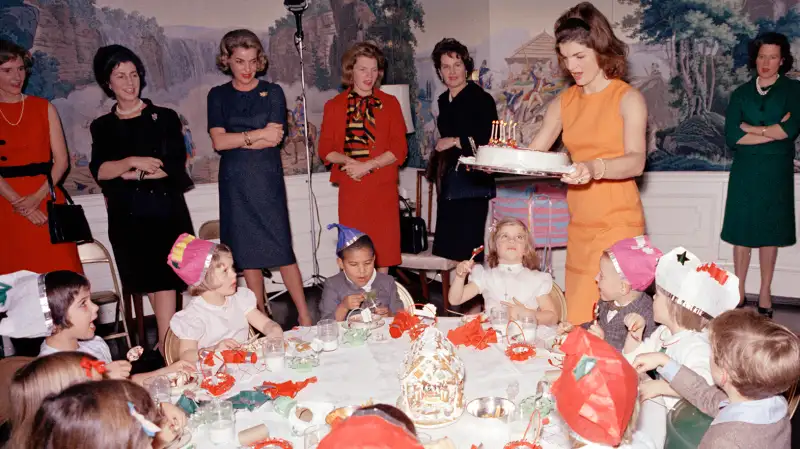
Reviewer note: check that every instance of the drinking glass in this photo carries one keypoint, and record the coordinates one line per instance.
(314, 434)
(528, 324)
(274, 353)
(159, 388)
(499, 318)
(328, 333)
(222, 425)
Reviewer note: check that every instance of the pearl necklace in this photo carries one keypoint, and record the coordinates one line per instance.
(133, 110)
(21, 113)
(763, 91)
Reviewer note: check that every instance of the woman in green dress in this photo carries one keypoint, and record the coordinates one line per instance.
(761, 124)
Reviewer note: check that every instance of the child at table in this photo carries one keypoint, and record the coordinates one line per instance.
(753, 361)
(221, 313)
(512, 278)
(50, 375)
(348, 290)
(689, 294)
(626, 270)
(595, 395)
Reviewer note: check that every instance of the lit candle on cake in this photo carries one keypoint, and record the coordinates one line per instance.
(493, 139)
(503, 132)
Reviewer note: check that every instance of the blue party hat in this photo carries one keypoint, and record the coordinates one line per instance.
(347, 236)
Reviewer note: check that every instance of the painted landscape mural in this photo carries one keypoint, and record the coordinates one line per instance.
(685, 56)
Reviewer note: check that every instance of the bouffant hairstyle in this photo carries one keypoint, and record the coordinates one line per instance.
(108, 58)
(367, 50)
(761, 357)
(586, 25)
(771, 38)
(455, 49)
(10, 51)
(62, 287)
(529, 258)
(240, 39)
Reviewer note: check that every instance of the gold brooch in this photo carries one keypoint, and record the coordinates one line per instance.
(155, 117)
(263, 94)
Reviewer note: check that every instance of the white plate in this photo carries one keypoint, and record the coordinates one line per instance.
(360, 325)
(552, 173)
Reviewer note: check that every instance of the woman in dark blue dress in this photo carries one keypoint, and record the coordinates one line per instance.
(246, 120)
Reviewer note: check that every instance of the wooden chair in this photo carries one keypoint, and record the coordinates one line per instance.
(405, 297)
(426, 261)
(209, 230)
(560, 299)
(95, 253)
(8, 368)
(172, 346)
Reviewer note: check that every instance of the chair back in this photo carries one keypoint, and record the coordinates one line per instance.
(8, 368)
(95, 253)
(405, 297)
(171, 348)
(209, 230)
(560, 300)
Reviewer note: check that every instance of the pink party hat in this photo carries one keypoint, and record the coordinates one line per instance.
(635, 259)
(190, 258)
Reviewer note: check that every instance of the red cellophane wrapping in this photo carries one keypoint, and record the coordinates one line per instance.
(402, 322)
(599, 405)
(472, 334)
(287, 388)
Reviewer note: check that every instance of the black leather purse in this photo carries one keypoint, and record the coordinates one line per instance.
(67, 222)
(413, 231)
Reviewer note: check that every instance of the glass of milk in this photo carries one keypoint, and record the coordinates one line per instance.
(222, 425)
(328, 333)
(274, 353)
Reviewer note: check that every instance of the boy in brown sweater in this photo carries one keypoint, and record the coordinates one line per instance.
(753, 361)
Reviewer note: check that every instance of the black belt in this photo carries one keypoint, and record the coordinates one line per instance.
(19, 171)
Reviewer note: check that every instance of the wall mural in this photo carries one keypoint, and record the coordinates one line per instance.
(686, 56)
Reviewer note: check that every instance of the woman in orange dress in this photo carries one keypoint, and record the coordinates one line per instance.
(603, 120)
(31, 144)
(364, 137)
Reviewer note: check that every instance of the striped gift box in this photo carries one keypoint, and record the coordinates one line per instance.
(542, 207)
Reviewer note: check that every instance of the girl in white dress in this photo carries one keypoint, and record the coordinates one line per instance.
(510, 279)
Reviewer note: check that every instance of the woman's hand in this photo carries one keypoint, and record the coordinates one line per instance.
(357, 170)
(25, 205)
(145, 164)
(119, 369)
(37, 217)
(446, 143)
(272, 134)
(582, 174)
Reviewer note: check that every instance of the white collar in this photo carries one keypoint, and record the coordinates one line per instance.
(367, 288)
(208, 305)
(762, 411)
(513, 268)
(668, 339)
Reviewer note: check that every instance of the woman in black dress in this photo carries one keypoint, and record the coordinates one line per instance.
(138, 159)
(465, 111)
(246, 120)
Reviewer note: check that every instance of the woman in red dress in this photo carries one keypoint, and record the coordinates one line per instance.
(31, 144)
(364, 137)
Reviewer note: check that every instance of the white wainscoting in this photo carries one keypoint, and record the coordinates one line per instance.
(681, 208)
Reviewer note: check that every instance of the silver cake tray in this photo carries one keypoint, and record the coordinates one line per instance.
(469, 162)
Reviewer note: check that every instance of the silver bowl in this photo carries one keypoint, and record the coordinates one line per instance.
(491, 408)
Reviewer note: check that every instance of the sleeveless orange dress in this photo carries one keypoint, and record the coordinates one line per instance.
(601, 212)
(23, 245)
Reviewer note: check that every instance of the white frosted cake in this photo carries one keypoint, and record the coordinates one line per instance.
(522, 159)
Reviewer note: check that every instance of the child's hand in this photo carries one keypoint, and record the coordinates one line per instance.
(228, 343)
(181, 366)
(597, 331)
(174, 420)
(564, 327)
(653, 389)
(353, 301)
(382, 310)
(635, 324)
(464, 268)
(120, 369)
(516, 309)
(273, 330)
(650, 361)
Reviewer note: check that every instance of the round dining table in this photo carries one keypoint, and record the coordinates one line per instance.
(368, 373)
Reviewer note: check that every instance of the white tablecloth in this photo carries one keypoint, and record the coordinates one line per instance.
(356, 375)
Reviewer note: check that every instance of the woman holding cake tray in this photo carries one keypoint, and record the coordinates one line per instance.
(603, 121)
(465, 111)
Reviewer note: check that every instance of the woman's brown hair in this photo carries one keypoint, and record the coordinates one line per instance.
(10, 51)
(529, 258)
(586, 25)
(35, 381)
(95, 415)
(240, 39)
(362, 49)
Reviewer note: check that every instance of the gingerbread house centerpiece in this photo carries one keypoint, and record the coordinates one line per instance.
(432, 381)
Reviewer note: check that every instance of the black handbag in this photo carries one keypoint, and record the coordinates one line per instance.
(67, 221)
(413, 231)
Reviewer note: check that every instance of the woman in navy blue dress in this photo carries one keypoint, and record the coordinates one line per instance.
(246, 120)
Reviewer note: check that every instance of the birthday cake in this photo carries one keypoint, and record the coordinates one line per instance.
(432, 381)
(503, 152)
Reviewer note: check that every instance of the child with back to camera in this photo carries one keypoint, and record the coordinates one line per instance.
(221, 313)
(511, 278)
(753, 360)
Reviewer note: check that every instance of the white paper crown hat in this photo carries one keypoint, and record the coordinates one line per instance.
(23, 298)
(705, 289)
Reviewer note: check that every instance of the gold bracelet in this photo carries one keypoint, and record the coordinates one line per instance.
(600, 176)
(247, 141)
(763, 131)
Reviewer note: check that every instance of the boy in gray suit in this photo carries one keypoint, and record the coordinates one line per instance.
(355, 284)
